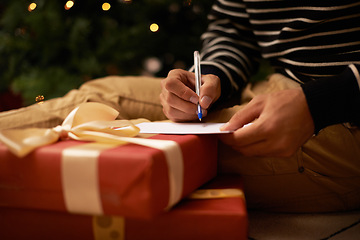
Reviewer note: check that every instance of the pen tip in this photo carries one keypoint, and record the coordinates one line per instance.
(199, 114)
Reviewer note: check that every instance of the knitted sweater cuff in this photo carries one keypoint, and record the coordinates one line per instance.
(333, 100)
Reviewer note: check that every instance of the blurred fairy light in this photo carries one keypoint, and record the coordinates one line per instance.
(106, 6)
(174, 8)
(152, 65)
(154, 27)
(69, 4)
(39, 99)
(197, 9)
(32, 7)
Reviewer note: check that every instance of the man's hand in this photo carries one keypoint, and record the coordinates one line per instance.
(178, 98)
(281, 124)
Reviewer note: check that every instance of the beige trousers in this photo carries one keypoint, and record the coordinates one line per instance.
(324, 175)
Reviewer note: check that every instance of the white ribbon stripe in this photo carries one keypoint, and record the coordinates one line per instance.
(81, 180)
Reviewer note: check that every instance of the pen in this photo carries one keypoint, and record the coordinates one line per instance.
(197, 81)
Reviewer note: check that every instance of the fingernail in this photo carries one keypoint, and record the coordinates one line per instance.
(224, 127)
(206, 101)
(194, 100)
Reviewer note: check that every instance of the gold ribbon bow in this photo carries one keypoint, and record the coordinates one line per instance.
(88, 122)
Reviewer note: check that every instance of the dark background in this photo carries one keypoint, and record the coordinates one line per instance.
(50, 50)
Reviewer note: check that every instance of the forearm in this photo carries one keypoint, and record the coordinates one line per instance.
(229, 47)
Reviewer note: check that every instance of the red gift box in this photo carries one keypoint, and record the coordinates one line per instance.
(219, 218)
(91, 178)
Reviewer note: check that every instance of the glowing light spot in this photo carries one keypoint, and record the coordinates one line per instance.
(153, 65)
(40, 99)
(154, 27)
(69, 4)
(106, 6)
(32, 7)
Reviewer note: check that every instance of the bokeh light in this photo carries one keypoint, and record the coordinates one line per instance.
(39, 99)
(106, 6)
(154, 27)
(69, 4)
(152, 65)
(32, 7)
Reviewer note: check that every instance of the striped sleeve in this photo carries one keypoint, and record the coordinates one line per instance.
(229, 47)
(315, 43)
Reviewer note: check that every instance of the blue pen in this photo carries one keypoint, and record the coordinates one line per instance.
(197, 81)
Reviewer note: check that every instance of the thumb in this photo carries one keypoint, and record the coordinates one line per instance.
(242, 117)
(210, 90)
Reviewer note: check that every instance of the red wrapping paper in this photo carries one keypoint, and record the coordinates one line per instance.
(133, 180)
(217, 219)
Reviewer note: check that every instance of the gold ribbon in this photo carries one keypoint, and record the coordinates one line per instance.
(89, 122)
(108, 227)
(93, 122)
(216, 193)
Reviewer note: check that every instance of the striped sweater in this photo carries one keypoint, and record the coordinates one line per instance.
(316, 43)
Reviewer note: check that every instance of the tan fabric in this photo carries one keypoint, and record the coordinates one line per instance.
(133, 97)
(324, 175)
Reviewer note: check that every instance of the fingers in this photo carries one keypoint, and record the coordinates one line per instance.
(281, 124)
(257, 140)
(244, 116)
(181, 83)
(210, 90)
(177, 96)
(179, 99)
(176, 109)
(244, 136)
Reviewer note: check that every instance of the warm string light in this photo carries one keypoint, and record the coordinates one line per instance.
(154, 27)
(152, 65)
(106, 6)
(39, 99)
(69, 4)
(32, 7)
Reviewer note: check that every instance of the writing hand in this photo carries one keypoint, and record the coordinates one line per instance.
(178, 98)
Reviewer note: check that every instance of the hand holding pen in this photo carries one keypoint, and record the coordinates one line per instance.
(178, 95)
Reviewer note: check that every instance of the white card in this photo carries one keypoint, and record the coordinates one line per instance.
(181, 128)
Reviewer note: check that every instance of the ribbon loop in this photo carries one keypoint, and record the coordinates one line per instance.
(61, 131)
(93, 122)
(89, 122)
(23, 141)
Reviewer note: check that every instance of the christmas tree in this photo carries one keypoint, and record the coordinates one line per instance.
(49, 47)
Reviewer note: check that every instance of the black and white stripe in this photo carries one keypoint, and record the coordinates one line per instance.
(306, 40)
(303, 39)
